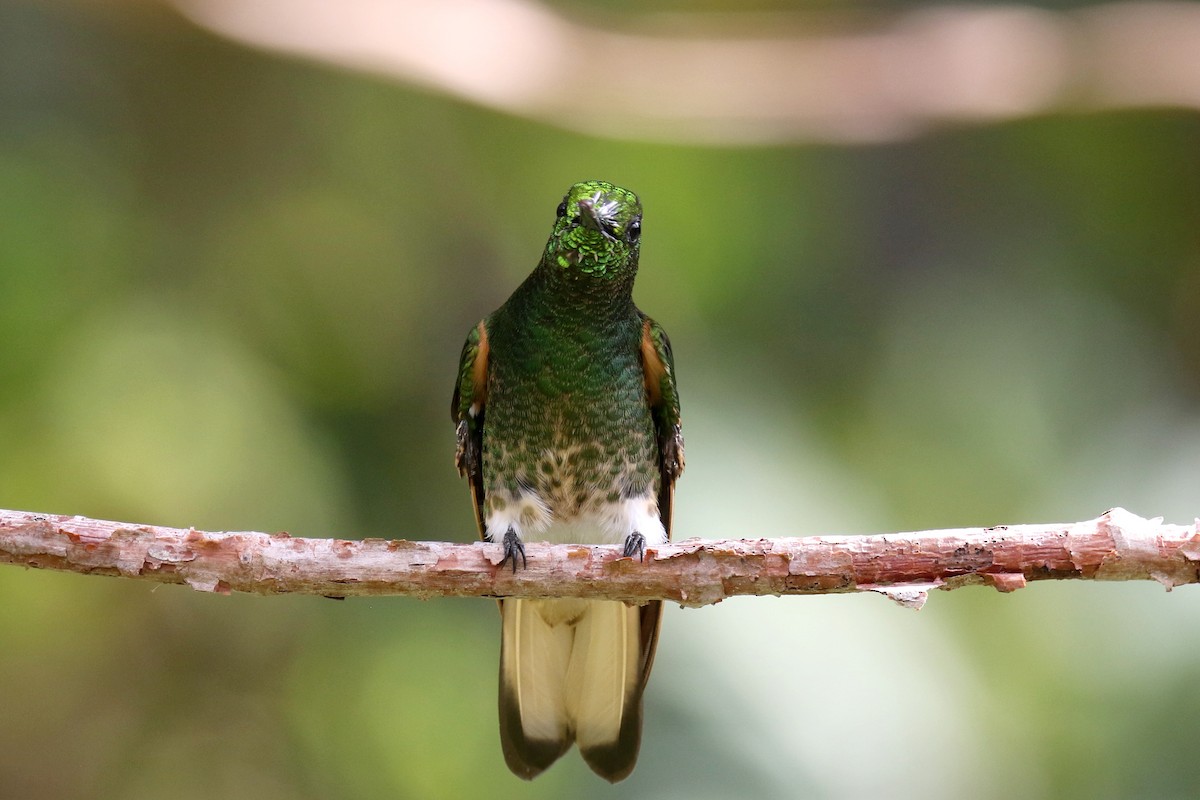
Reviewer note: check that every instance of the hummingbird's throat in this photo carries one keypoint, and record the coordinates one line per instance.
(586, 250)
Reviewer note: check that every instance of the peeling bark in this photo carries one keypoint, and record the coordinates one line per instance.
(1118, 546)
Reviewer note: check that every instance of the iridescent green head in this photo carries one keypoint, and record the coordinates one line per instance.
(597, 233)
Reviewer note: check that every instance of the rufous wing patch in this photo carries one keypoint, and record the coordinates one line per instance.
(479, 370)
(652, 366)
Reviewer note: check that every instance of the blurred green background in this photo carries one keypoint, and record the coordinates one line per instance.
(233, 289)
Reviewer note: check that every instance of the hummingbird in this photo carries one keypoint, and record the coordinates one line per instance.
(568, 431)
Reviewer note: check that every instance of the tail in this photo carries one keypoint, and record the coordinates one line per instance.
(574, 670)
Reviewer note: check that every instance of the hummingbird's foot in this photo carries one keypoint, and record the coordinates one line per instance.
(635, 545)
(513, 547)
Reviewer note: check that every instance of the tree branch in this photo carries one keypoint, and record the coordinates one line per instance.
(1116, 546)
(827, 75)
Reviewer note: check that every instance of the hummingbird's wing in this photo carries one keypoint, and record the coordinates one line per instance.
(658, 364)
(658, 367)
(467, 411)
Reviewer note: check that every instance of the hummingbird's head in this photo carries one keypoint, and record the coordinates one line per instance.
(597, 233)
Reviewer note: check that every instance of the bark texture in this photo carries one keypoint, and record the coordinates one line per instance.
(1118, 546)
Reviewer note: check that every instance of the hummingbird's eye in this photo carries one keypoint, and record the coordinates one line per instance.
(562, 208)
(634, 230)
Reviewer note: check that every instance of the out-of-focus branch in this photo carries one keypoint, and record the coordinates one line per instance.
(746, 77)
(905, 566)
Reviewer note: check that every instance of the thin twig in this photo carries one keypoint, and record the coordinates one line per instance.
(1118, 545)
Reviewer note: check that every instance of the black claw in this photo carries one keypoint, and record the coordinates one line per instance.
(635, 545)
(513, 547)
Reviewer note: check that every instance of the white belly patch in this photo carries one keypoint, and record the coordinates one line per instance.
(533, 521)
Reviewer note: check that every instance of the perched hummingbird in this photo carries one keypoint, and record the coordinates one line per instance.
(568, 430)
